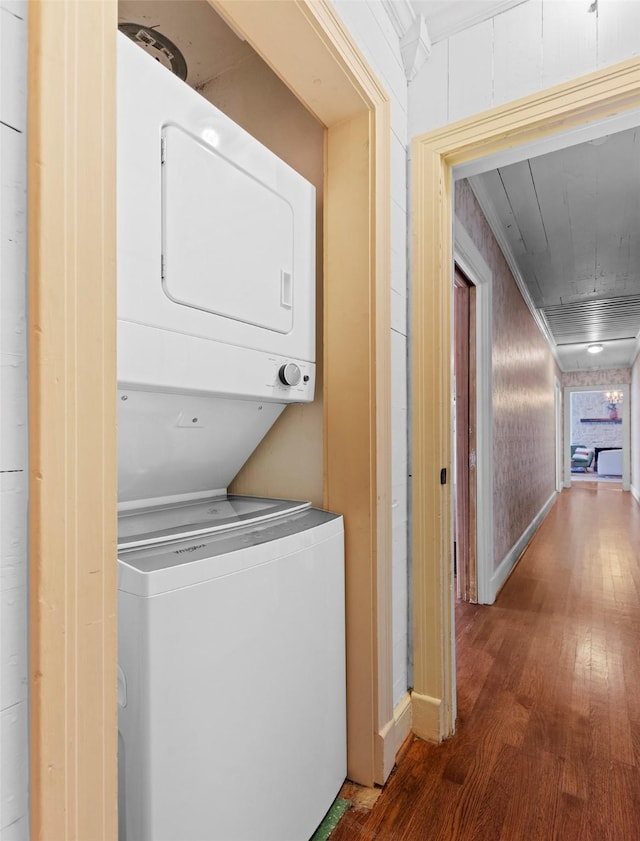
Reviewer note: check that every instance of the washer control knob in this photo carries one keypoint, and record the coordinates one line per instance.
(290, 374)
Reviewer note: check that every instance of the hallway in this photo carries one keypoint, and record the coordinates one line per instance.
(548, 737)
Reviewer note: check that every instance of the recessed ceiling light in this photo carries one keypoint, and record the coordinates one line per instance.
(595, 348)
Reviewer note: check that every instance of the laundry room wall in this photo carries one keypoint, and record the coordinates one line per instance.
(529, 47)
(13, 424)
(289, 460)
(373, 32)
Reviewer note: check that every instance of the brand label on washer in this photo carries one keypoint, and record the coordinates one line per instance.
(189, 549)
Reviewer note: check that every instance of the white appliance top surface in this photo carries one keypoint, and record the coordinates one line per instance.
(158, 568)
(160, 524)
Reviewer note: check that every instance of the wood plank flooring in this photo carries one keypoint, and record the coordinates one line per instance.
(548, 736)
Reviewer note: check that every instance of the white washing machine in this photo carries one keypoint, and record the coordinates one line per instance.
(231, 609)
(232, 672)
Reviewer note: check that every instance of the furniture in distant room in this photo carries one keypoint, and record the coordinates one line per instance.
(581, 457)
(599, 450)
(610, 463)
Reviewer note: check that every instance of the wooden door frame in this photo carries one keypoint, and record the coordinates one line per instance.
(587, 99)
(465, 561)
(72, 371)
(559, 427)
(473, 264)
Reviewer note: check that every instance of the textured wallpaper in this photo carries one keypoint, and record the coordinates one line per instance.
(607, 378)
(523, 393)
(634, 407)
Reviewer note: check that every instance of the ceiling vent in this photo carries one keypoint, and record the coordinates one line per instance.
(594, 321)
(157, 45)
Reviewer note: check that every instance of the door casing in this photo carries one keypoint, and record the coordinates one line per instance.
(598, 96)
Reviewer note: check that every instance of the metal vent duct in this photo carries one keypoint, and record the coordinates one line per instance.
(593, 321)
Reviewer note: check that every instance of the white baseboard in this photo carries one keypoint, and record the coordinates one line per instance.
(635, 493)
(502, 572)
(391, 737)
(402, 715)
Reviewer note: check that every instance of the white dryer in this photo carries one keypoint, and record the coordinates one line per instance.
(216, 246)
(231, 609)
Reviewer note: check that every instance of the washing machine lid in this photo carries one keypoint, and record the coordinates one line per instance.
(153, 570)
(160, 524)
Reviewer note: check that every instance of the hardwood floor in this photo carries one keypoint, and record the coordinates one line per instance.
(548, 736)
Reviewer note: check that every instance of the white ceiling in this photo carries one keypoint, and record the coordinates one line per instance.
(570, 221)
(446, 17)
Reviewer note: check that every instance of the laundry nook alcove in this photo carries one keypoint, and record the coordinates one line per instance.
(231, 617)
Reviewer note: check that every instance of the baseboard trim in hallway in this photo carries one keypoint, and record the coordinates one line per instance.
(515, 553)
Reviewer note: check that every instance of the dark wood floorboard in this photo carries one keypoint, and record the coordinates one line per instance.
(547, 746)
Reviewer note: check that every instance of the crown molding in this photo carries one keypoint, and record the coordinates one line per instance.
(401, 15)
(411, 29)
(415, 47)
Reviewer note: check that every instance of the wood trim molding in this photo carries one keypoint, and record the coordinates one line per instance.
(475, 267)
(585, 100)
(402, 716)
(72, 426)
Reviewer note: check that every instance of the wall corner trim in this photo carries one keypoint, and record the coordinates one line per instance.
(72, 419)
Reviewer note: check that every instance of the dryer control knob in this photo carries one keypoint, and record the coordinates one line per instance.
(290, 374)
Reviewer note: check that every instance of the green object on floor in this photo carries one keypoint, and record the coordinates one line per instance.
(331, 819)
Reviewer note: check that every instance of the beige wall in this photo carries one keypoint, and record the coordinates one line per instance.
(289, 461)
(523, 393)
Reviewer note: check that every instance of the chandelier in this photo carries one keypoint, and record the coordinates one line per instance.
(613, 400)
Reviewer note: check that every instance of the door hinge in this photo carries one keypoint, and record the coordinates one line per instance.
(472, 459)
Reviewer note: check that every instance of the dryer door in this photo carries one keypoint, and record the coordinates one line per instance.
(227, 237)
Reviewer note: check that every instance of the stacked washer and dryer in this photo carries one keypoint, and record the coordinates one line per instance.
(231, 609)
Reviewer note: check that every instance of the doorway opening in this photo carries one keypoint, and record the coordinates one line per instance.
(597, 435)
(583, 109)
